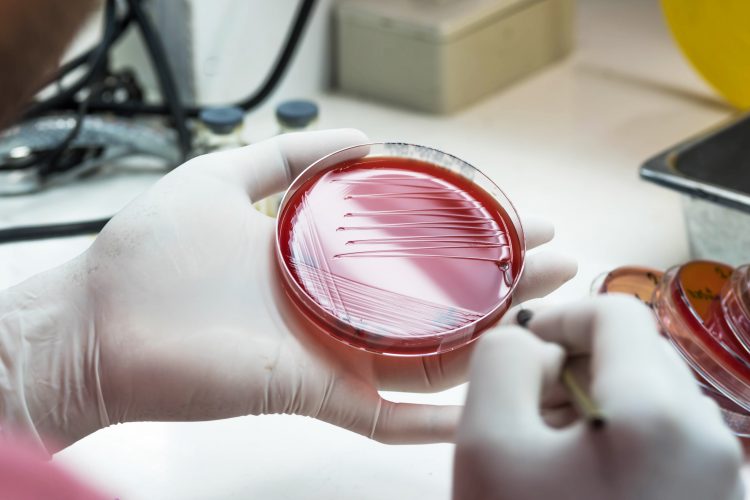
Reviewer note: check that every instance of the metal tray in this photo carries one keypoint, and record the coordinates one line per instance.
(712, 170)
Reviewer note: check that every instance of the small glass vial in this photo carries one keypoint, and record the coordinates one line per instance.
(297, 115)
(292, 116)
(220, 128)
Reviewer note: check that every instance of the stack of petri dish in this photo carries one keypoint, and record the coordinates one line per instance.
(703, 308)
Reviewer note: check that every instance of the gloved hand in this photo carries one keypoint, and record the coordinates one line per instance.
(176, 313)
(663, 439)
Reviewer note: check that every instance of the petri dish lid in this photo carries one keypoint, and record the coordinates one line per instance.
(399, 249)
(684, 302)
(735, 305)
(637, 281)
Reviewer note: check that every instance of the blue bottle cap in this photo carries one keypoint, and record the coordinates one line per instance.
(222, 119)
(297, 113)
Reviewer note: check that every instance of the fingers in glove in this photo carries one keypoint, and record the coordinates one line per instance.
(409, 423)
(544, 272)
(268, 167)
(630, 367)
(560, 416)
(538, 231)
(361, 409)
(423, 373)
(509, 375)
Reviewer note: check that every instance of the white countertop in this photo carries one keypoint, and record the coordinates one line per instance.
(565, 144)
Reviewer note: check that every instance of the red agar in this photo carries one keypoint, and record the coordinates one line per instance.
(399, 255)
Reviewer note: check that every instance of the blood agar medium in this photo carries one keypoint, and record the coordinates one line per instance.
(399, 249)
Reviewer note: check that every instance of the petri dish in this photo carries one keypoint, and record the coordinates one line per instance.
(736, 417)
(684, 303)
(639, 282)
(731, 312)
(398, 249)
(699, 325)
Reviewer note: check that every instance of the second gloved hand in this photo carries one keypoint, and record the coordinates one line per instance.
(663, 439)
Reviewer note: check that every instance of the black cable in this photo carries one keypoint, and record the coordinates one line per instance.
(97, 64)
(282, 62)
(97, 59)
(65, 100)
(50, 161)
(163, 70)
(79, 60)
(26, 233)
(278, 70)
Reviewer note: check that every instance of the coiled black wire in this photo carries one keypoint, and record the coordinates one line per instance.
(114, 29)
(65, 100)
(279, 68)
(164, 75)
(97, 64)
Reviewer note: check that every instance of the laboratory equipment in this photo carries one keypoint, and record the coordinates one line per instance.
(99, 142)
(219, 128)
(582, 402)
(703, 308)
(442, 56)
(23, 170)
(712, 170)
(398, 249)
(296, 115)
(292, 116)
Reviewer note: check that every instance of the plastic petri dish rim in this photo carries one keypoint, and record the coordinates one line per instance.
(399, 249)
(637, 281)
(722, 366)
(734, 306)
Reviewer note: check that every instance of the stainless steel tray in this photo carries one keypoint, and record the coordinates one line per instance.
(712, 170)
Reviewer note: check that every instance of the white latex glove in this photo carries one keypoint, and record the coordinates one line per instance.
(663, 439)
(176, 313)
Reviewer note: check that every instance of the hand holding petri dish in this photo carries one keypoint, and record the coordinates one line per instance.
(399, 249)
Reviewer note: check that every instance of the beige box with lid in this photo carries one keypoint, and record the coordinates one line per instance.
(442, 55)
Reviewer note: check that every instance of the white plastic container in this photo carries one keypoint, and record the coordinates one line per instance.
(440, 56)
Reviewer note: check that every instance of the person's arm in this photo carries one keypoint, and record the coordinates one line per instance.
(663, 439)
(49, 364)
(33, 37)
(23, 476)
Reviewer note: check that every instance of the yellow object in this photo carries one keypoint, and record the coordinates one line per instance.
(715, 36)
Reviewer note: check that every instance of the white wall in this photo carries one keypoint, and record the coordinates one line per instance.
(235, 42)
